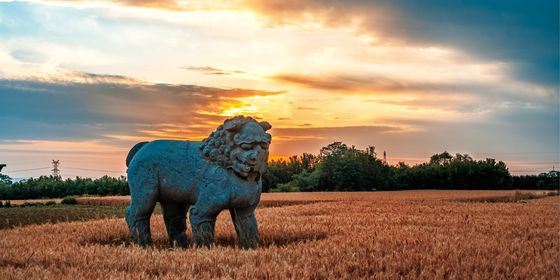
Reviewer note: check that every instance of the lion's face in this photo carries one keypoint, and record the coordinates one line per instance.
(250, 151)
(240, 144)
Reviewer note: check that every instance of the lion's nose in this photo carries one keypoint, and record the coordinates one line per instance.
(253, 157)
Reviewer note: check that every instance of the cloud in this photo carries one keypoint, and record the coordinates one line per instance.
(162, 4)
(456, 95)
(212, 71)
(97, 106)
(306, 108)
(169, 5)
(521, 33)
(525, 34)
(359, 84)
(350, 83)
(28, 56)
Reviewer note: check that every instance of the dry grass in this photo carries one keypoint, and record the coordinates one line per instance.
(423, 234)
(518, 197)
(24, 201)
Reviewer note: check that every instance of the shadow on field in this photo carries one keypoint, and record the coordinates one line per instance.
(517, 197)
(268, 241)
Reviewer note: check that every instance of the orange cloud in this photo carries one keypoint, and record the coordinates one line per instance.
(212, 70)
(161, 4)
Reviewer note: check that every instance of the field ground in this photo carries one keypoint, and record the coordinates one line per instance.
(411, 234)
(17, 217)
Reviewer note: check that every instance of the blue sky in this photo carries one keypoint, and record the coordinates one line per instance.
(82, 81)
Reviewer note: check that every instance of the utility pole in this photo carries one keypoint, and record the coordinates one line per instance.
(55, 170)
(2, 165)
(384, 157)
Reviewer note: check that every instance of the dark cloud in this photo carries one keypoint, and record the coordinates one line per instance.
(520, 32)
(212, 71)
(103, 78)
(110, 105)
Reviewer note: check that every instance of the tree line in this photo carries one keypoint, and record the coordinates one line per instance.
(337, 167)
(56, 187)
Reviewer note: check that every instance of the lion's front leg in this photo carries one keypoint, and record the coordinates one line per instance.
(202, 223)
(246, 227)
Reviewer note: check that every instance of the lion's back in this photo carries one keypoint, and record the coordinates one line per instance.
(167, 155)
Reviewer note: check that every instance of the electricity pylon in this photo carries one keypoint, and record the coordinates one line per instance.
(55, 170)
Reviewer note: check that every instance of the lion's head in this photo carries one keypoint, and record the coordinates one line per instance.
(240, 144)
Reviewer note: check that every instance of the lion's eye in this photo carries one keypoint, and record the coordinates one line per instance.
(246, 146)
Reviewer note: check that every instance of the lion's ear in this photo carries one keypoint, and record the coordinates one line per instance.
(265, 125)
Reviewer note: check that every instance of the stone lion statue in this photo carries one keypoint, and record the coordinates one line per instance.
(223, 171)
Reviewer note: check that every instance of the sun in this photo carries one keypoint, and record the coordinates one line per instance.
(243, 110)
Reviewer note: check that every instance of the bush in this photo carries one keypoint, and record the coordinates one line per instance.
(287, 187)
(69, 200)
(553, 193)
(31, 204)
(7, 204)
(50, 203)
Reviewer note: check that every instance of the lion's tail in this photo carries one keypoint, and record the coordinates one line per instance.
(133, 152)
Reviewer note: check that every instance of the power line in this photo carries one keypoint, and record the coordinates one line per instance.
(30, 169)
(473, 152)
(99, 170)
(76, 168)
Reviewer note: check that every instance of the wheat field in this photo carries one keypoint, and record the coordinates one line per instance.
(382, 235)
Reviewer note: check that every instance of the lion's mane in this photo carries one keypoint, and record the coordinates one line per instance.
(219, 144)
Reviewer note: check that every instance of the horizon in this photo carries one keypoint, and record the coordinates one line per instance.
(83, 81)
(115, 173)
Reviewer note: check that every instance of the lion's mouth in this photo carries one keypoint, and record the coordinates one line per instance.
(244, 168)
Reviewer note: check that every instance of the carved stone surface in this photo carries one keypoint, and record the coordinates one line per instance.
(222, 172)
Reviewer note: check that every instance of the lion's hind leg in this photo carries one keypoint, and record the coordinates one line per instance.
(175, 217)
(142, 204)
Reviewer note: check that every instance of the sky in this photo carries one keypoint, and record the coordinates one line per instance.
(83, 81)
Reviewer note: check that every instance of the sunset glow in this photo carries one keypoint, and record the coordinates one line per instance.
(83, 81)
